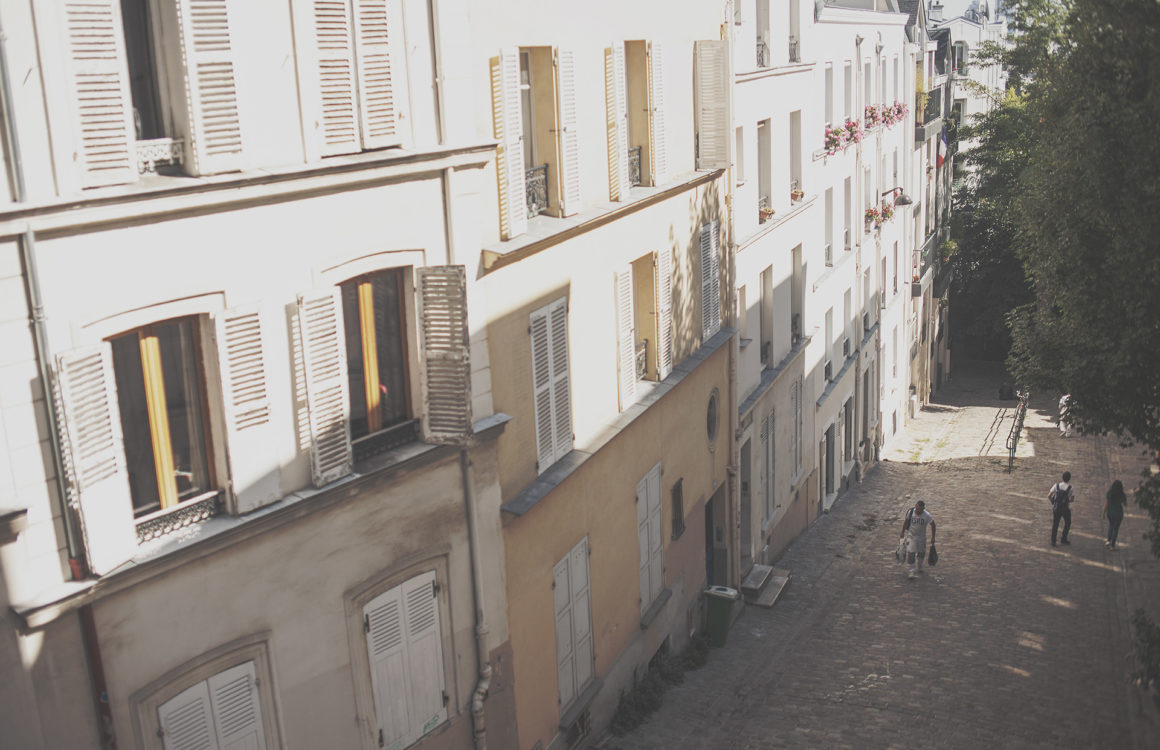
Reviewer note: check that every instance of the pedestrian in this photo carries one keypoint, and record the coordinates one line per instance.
(917, 519)
(1064, 409)
(1114, 511)
(1061, 495)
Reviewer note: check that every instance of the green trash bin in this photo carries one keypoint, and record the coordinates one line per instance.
(720, 601)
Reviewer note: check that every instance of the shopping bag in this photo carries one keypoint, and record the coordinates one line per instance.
(932, 557)
(900, 553)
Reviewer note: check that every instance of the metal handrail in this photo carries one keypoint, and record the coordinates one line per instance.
(1017, 426)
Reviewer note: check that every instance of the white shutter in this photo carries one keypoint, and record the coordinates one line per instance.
(443, 292)
(376, 86)
(324, 361)
(509, 131)
(643, 544)
(386, 648)
(658, 148)
(710, 283)
(338, 96)
(625, 337)
(94, 457)
(656, 566)
(616, 111)
(664, 308)
(713, 123)
(214, 142)
(767, 450)
(569, 132)
(565, 639)
(237, 711)
(99, 92)
(551, 395)
(242, 357)
(424, 655)
(186, 721)
(581, 613)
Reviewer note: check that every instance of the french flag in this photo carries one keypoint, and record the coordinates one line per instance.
(942, 147)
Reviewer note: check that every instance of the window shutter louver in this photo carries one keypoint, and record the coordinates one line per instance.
(569, 132)
(237, 711)
(443, 291)
(561, 390)
(99, 81)
(658, 148)
(376, 87)
(664, 307)
(565, 638)
(334, 38)
(186, 721)
(616, 110)
(551, 396)
(710, 284)
(424, 655)
(214, 125)
(713, 123)
(656, 568)
(324, 361)
(242, 358)
(581, 616)
(508, 125)
(94, 457)
(386, 649)
(625, 338)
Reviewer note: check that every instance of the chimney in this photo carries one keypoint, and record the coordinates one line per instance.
(936, 11)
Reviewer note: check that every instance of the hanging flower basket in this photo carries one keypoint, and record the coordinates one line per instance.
(837, 139)
(873, 115)
(873, 218)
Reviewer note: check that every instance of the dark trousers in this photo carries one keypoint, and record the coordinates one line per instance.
(1064, 512)
(1114, 527)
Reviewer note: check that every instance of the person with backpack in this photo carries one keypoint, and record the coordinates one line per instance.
(1114, 503)
(1061, 495)
(917, 519)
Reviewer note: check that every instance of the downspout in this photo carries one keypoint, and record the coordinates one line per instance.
(27, 244)
(483, 683)
(440, 94)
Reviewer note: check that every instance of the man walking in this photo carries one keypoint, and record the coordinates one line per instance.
(1064, 416)
(917, 519)
(1061, 495)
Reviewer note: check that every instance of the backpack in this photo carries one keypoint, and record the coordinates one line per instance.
(1059, 496)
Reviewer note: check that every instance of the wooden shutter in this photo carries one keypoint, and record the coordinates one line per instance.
(565, 638)
(324, 362)
(713, 120)
(507, 121)
(376, 87)
(386, 648)
(255, 473)
(237, 710)
(424, 655)
(658, 149)
(187, 721)
(98, 79)
(656, 540)
(334, 39)
(625, 337)
(767, 452)
(710, 283)
(94, 456)
(551, 393)
(569, 132)
(664, 308)
(443, 312)
(581, 613)
(616, 112)
(214, 142)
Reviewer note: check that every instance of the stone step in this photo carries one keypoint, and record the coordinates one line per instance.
(773, 588)
(755, 580)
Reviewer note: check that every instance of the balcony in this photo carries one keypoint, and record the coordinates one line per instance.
(762, 53)
(795, 53)
(536, 187)
(927, 113)
(634, 166)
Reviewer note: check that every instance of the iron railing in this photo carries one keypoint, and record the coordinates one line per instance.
(642, 359)
(762, 54)
(795, 54)
(634, 166)
(536, 182)
(764, 209)
(1017, 426)
(829, 254)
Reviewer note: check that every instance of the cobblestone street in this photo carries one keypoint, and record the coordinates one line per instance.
(1007, 643)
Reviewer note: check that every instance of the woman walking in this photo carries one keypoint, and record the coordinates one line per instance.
(1114, 510)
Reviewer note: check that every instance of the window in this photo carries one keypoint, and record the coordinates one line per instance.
(645, 69)
(829, 94)
(404, 642)
(552, 398)
(359, 361)
(644, 323)
(797, 297)
(829, 218)
(797, 189)
(847, 213)
(848, 91)
(829, 343)
(620, 177)
(118, 65)
(678, 507)
(739, 155)
(710, 280)
(223, 711)
(711, 93)
(161, 393)
(767, 317)
(768, 452)
(765, 208)
(574, 652)
(649, 525)
(764, 53)
(536, 122)
(795, 393)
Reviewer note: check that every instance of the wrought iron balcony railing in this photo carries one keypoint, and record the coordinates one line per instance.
(634, 166)
(641, 359)
(795, 54)
(762, 54)
(536, 186)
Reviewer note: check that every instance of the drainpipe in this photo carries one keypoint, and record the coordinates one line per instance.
(479, 694)
(437, 63)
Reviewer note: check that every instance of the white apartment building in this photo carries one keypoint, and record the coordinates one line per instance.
(976, 87)
(248, 456)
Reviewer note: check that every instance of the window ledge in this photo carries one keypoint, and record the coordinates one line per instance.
(770, 376)
(185, 545)
(12, 522)
(655, 608)
(581, 703)
(775, 70)
(833, 384)
(777, 221)
(542, 486)
(546, 231)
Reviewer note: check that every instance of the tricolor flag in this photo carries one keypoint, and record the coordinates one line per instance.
(942, 147)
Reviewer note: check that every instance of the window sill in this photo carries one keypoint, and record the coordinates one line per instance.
(776, 221)
(779, 69)
(12, 522)
(581, 703)
(653, 611)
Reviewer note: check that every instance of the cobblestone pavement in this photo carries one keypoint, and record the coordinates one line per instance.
(1006, 643)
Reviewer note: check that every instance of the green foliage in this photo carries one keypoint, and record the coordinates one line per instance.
(1147, 648)
(647, 695)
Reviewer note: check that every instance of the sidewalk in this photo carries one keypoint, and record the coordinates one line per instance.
(1007, 643)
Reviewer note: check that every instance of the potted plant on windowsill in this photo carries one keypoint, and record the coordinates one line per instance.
(765, 214)
(873, 218)
(796, 195)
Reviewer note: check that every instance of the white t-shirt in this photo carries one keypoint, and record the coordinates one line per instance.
(918, 524)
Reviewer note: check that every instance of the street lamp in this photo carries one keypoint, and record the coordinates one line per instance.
(902, 200)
